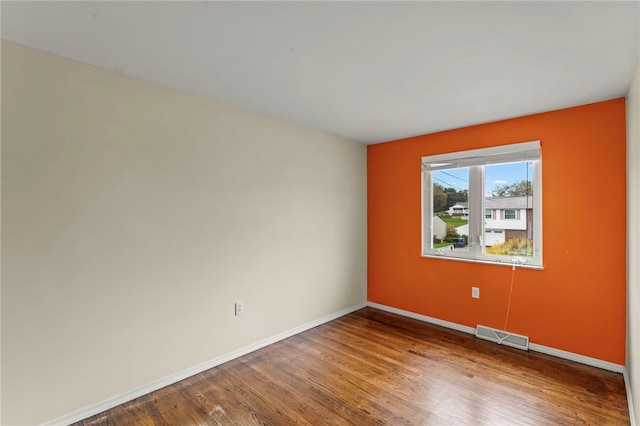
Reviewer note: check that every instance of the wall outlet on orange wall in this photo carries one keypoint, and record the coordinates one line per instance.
(475, 292)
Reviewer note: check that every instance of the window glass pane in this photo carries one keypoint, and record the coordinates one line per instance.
(509, 192)
(451, 210)
(479, 204)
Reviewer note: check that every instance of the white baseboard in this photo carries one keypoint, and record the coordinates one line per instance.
(605, 365)
(627, 384)
(424, 318)
(594, 362)
(174, 378)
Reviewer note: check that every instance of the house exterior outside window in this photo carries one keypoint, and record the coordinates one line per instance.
(460, 209)
(516, 222)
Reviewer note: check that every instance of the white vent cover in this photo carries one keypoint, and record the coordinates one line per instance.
(502, 337)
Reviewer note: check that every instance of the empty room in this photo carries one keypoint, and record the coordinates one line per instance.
(347, 213)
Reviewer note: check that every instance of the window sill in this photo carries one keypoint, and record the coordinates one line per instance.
(486, 262)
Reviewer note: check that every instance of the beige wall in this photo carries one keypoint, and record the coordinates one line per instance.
(134, 216)
(633, 239)
(0, 244)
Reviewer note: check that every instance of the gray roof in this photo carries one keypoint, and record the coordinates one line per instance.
(461, 204)
(509, 202)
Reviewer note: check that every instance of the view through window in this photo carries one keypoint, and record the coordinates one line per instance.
(487, 210)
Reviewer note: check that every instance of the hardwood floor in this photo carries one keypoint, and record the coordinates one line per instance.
(372, 367)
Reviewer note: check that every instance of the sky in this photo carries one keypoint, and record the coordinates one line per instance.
(495, 175)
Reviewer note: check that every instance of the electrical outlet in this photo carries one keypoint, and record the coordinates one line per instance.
(475, 292)
(239, 306)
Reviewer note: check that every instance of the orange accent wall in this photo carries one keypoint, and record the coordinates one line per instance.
(577, 303)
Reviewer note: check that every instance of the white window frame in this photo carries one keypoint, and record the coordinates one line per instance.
(515, 214)
(475, 160)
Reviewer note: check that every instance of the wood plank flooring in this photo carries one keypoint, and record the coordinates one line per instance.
(372, 368)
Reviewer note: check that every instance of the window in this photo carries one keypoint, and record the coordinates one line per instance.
(484, 205)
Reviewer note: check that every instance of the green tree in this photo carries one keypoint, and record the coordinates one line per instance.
(439, 198)
(455, 196)
(518, 189)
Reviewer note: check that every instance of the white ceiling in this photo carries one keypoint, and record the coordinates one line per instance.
(367, 71)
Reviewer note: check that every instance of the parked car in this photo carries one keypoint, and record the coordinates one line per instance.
(459, 243)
